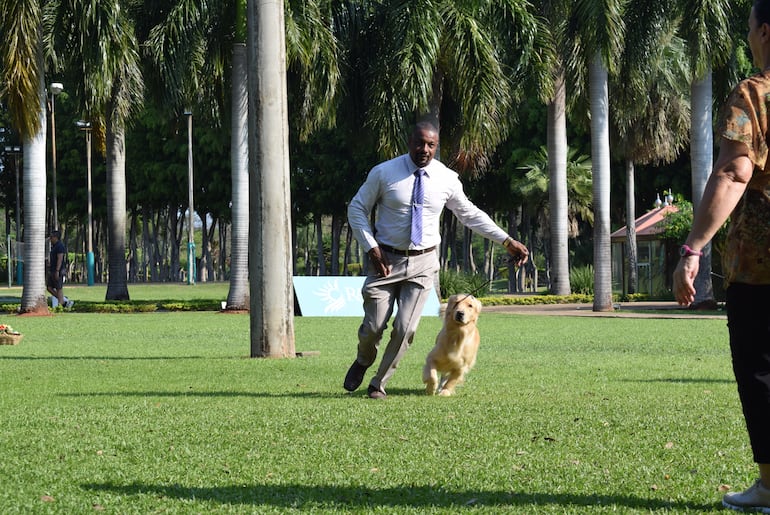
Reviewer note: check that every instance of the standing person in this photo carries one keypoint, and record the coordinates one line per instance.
(409, 193)
(739, 188)
(56, 263)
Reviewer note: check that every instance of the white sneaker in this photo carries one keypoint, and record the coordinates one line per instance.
(69, 304)
(756, 499)
(54, 302)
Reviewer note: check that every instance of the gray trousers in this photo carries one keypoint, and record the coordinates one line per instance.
(408, 286)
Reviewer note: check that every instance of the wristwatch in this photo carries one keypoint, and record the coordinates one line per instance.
(686, 251)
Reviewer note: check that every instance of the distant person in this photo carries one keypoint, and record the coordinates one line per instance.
(56, 271)
(739, 188)
(409, 193)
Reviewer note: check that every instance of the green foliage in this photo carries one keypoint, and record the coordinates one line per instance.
(457, 282)
(581, 279)
(531, 300)
(634, 297)
(677, 225)
(533, 186)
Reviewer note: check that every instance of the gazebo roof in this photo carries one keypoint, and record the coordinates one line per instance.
(647, 226)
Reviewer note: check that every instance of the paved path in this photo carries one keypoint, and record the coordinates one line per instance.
(622, 310)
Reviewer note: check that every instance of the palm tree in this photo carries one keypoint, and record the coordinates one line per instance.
(597, 29)
(557, 193)
(555, 11)
(96, 40)
(654, 131)
(536, 186)
(23, 75)
(705, 29)
(272, 300)
(587, 36)
(238, 295)
(208, 30)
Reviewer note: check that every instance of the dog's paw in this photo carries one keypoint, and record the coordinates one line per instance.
(445, 393)
(430, 388)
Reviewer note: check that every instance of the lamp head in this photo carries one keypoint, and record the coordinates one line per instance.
(56, 88)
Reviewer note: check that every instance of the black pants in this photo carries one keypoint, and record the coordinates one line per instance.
(748, 321)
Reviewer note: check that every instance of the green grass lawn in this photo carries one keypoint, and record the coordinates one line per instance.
(165, 413)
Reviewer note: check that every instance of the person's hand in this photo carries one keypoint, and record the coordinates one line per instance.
(517, 250)
(684, 279)
(379, 262)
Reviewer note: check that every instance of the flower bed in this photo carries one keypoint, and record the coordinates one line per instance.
(9, 336)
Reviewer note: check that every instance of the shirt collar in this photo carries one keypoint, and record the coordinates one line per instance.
(413, 167)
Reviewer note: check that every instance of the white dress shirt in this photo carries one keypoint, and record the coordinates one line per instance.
(389, 187)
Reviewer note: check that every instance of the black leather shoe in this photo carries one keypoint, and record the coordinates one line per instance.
(354, 377)
(374, 393)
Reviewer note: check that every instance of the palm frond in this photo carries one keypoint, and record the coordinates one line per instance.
(20, 27)
(706, 30)
(313, 53)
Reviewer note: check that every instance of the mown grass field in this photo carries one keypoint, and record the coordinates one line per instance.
(165, 413)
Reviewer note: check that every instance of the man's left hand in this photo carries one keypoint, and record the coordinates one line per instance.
(518, 251)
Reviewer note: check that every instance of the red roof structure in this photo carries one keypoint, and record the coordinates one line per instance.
(647, 226)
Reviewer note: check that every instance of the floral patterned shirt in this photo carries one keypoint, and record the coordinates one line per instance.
(745, 119)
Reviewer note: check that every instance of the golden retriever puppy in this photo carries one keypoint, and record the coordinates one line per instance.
(456, 345)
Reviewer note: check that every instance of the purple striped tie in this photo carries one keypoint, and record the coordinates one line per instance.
(418, 195)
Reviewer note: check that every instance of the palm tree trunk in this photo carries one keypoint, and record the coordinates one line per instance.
(319, 244)
(117, 288)
(34, 177)
(338, 222)
(512, 224)
(238, 296)
(469, 265)
(133, 252)
(702, 162)
(272, 294)
(600, 150)
(633, 272)
(557, 193)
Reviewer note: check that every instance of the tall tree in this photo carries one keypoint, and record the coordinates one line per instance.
(23, 77)
(238, 295)
(598, 30)
(272, 300)
(96, 40)
(556, 12)
(653, 66)
(216, 31)
(705, 29)
(558, 198)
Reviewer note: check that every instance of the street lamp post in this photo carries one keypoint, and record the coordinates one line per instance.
(55, 88)
(16, 151)
(190, 230)
(86, 127)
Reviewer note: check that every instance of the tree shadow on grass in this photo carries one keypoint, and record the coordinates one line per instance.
(684, 380)
(361, 393)
(332, 497)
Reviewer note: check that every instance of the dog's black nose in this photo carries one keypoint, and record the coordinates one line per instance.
(460, 316)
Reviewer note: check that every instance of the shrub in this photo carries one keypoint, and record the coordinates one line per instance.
(581, 280)
(456, 282)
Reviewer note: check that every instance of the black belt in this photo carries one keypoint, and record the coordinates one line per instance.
(409, 252)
